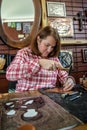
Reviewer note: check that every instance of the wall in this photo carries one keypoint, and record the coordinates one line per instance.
(79, 67)
(4, 49)
(80, 36)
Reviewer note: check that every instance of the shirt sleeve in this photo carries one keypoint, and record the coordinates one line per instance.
(23, 66)
(62, 75)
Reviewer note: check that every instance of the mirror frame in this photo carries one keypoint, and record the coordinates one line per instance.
(36, 25)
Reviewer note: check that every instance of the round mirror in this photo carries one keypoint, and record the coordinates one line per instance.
(20, 21)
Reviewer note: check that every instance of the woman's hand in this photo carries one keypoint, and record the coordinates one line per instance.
(50, 64)
(69, 84)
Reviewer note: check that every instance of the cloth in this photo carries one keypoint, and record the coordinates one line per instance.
(29, 75)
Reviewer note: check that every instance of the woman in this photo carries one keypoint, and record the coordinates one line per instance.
(38, 66)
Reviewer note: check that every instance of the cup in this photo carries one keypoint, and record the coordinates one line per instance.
(26, 127)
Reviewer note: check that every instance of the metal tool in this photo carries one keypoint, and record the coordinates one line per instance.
(68, 127)
(75, 97)
(64, 95)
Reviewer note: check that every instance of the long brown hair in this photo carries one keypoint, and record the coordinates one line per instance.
(43, 33)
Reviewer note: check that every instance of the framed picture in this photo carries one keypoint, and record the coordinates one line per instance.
(66, 58)
(84, 53)
(13, 25)
(56, 9)
(18, 26)
(27, 27)
(63, 25)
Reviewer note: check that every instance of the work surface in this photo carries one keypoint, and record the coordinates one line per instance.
(51, 116)
(74, 102)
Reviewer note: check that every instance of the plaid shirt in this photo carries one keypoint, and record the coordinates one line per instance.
(30, 76)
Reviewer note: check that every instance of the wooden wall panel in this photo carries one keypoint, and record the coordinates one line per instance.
(3, 84)
(79, 67)
(72, 9)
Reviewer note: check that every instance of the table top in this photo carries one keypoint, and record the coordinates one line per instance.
(58, 112)
(7, 96)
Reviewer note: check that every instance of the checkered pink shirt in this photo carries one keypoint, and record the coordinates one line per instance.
(30, 76)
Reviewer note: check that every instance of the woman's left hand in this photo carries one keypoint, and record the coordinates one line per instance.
(68, 85)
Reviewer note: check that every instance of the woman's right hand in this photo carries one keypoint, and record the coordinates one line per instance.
(50, 64)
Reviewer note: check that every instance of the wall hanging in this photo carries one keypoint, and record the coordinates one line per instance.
(63, 25)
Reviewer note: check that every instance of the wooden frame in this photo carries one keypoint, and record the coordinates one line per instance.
(25, 42)
(63, 25)
(84, 53)
(44, 13)
(56, 9)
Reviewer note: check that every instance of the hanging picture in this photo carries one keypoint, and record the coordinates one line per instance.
(63, 25)
(18, 26)
(9, 24)
(84, 53)
(66, 58)
(56, 9)
(26, 27)
(13, 25)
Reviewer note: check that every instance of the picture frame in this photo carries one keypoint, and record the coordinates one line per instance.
(27, 27)
(63, 25)
(56, 9)
(84, 54)
(18, 26)
(66, 58)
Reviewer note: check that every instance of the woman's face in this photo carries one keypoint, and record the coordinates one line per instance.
(46, 45)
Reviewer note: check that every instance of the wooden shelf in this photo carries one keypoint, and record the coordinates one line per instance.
(2, 71)
(75, 42)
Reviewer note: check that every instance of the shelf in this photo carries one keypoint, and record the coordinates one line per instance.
(2, 71)
(74, 41)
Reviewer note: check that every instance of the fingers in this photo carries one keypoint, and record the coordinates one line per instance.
(51, 65)
(54, 66)
(60, 67)
(68, 85)
(68, 88)
(65, 69)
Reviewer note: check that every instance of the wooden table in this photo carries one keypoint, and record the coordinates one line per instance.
(54, 116)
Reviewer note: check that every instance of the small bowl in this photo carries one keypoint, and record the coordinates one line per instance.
(26, 127)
